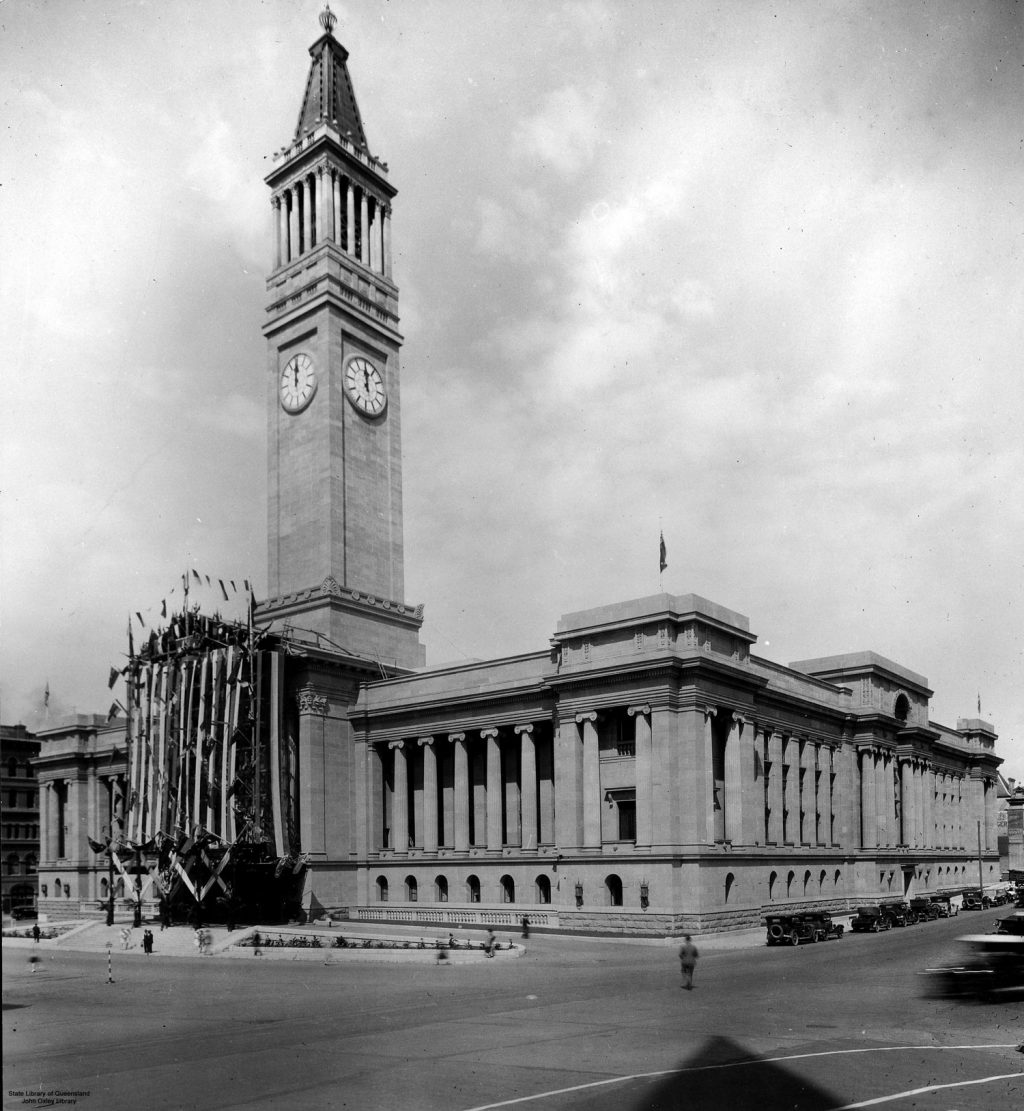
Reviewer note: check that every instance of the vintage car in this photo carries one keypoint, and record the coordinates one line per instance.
(925, 909)
(791, 929)
(947, 909)
(825, 929)
(993, 966)
(870, 919)
(899, 914)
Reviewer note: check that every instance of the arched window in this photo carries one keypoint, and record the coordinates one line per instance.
(508, 889)
(613, 885)
(473, 888)
(411, 889)
(441, 889)
(730, 881)
(382, 889)
(789, 884)
(772, 879)
(543, 889)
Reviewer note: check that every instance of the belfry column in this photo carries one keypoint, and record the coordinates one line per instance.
(775, 788)
(461, 791)
(364, 228)
(641, 716)
(527, 786)
(400, 814)
(292, 193)
(350, 218)
(429, 794)
(490, 737)
(868, 825)
(591, 782)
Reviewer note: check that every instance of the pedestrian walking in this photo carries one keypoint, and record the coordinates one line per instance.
(687, 961)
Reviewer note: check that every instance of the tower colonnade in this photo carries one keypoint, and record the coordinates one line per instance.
(326, 205)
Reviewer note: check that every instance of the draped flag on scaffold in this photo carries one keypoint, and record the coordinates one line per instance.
(662, 553)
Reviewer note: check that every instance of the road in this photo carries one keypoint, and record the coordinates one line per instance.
(572, 1024)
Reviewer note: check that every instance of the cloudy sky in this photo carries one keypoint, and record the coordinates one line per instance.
(750, 273)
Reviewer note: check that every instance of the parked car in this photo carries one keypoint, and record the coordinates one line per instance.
(925, 909)
(945, 905)
(790, 929)
(870, 919)
(825, 929)
(899, 914)
(993, 965)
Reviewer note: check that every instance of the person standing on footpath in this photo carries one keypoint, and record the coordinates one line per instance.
(687, 960)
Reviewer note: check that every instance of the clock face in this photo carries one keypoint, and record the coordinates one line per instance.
(298, 383)
(364, 385)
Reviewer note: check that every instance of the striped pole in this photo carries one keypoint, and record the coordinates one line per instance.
(110, 967)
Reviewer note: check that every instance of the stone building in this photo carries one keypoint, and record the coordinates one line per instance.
(643, 771)
(19, 804)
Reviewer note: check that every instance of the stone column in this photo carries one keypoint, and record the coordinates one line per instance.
(429, 794)
(642, 741)
(323, 202)
(400, 814)
(906, 802)
(709, 774)
(527, 786)
(808, 798)
(276, 206)
(791, 759)
(734, 783)
(350, 218)
(294, 239)
(336, 207)
(461, 791)
(306, 193)
(490, 737)
(868, 823)
(775, 802)
(825, 795)
(387, 233)
(364, 228)
(591, 782)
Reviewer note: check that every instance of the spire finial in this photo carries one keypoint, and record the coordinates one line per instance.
(327, 19)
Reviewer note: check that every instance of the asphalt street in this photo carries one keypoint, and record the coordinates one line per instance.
(572, 1024)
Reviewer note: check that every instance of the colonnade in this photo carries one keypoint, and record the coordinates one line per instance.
(325, 205)
(799, 789)
(488, 788)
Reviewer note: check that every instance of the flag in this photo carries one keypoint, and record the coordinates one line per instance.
(662, 553)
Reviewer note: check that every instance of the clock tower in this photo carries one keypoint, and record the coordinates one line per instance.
(334, 515)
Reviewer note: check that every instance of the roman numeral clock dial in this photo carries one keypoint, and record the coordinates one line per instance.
(364, 386)
(298, 383)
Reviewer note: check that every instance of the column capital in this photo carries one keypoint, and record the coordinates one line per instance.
(524, 728)
(645, 709)
(590, 715)
(453, 737)
(488, 733)
(310, 702)
(422, 741)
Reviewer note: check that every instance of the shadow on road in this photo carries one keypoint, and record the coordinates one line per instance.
(751, 1085)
